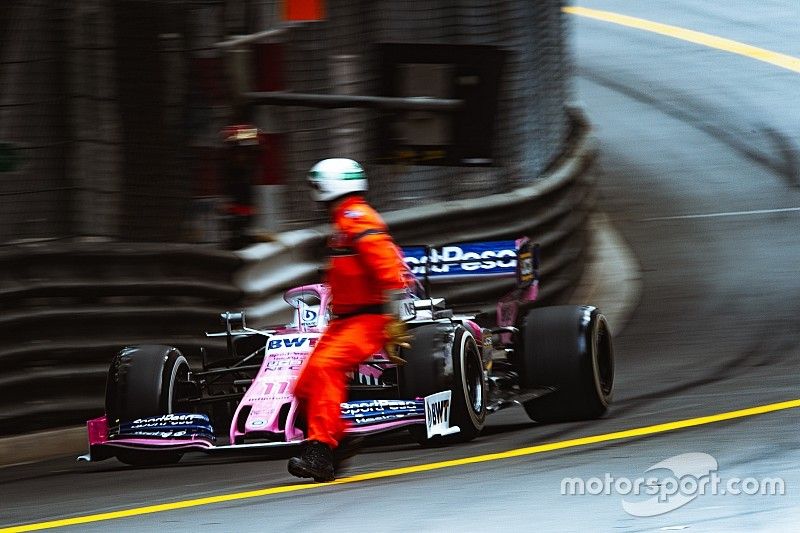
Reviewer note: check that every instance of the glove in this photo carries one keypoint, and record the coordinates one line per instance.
(397, 337)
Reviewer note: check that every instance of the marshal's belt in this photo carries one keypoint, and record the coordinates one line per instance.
(375, 309)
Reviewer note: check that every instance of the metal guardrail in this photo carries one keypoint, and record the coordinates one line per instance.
(66, 309)
(242, 40)
(338, 101)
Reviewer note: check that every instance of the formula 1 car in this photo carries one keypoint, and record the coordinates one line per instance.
(557, 362)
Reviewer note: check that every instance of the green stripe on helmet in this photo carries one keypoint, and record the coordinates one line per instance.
(357, 175)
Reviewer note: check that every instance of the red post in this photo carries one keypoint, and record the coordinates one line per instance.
(270, 77)
(303, 10)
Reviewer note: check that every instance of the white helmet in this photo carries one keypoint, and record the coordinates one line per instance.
(332, 178)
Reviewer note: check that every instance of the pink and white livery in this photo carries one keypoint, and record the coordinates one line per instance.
(557, 362)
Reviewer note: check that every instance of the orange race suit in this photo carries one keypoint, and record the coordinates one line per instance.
(364, 265)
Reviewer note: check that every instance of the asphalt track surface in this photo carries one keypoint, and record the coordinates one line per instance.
(699, 171)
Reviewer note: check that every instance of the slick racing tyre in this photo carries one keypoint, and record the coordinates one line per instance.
(446, 358)
(569, 348)
(146, 381)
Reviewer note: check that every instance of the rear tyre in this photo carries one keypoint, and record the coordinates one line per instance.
(446, 358)
(569, 348)
(145, 381)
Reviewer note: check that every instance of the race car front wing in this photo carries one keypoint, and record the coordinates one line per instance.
(193, 432)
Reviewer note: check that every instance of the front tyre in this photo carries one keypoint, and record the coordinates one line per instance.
(146, 381)
(435, 350)
(567, 347)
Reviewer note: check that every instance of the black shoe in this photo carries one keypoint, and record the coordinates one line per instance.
(349, 447)
(316, 462)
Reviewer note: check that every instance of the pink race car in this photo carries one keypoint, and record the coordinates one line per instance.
(557, 362)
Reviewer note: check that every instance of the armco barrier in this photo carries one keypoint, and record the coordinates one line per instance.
(65, 309)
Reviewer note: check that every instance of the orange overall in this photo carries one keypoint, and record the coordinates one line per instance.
(364, 264)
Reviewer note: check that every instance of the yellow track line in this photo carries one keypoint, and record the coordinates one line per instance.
(712, 41)
(381, 474)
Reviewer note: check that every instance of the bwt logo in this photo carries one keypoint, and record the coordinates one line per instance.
(437, 412)
(291, 342)
(486, 260)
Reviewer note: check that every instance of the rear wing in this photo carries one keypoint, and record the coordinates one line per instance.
(470, 261)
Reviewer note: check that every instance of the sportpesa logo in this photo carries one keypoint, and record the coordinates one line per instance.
(478, 258)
